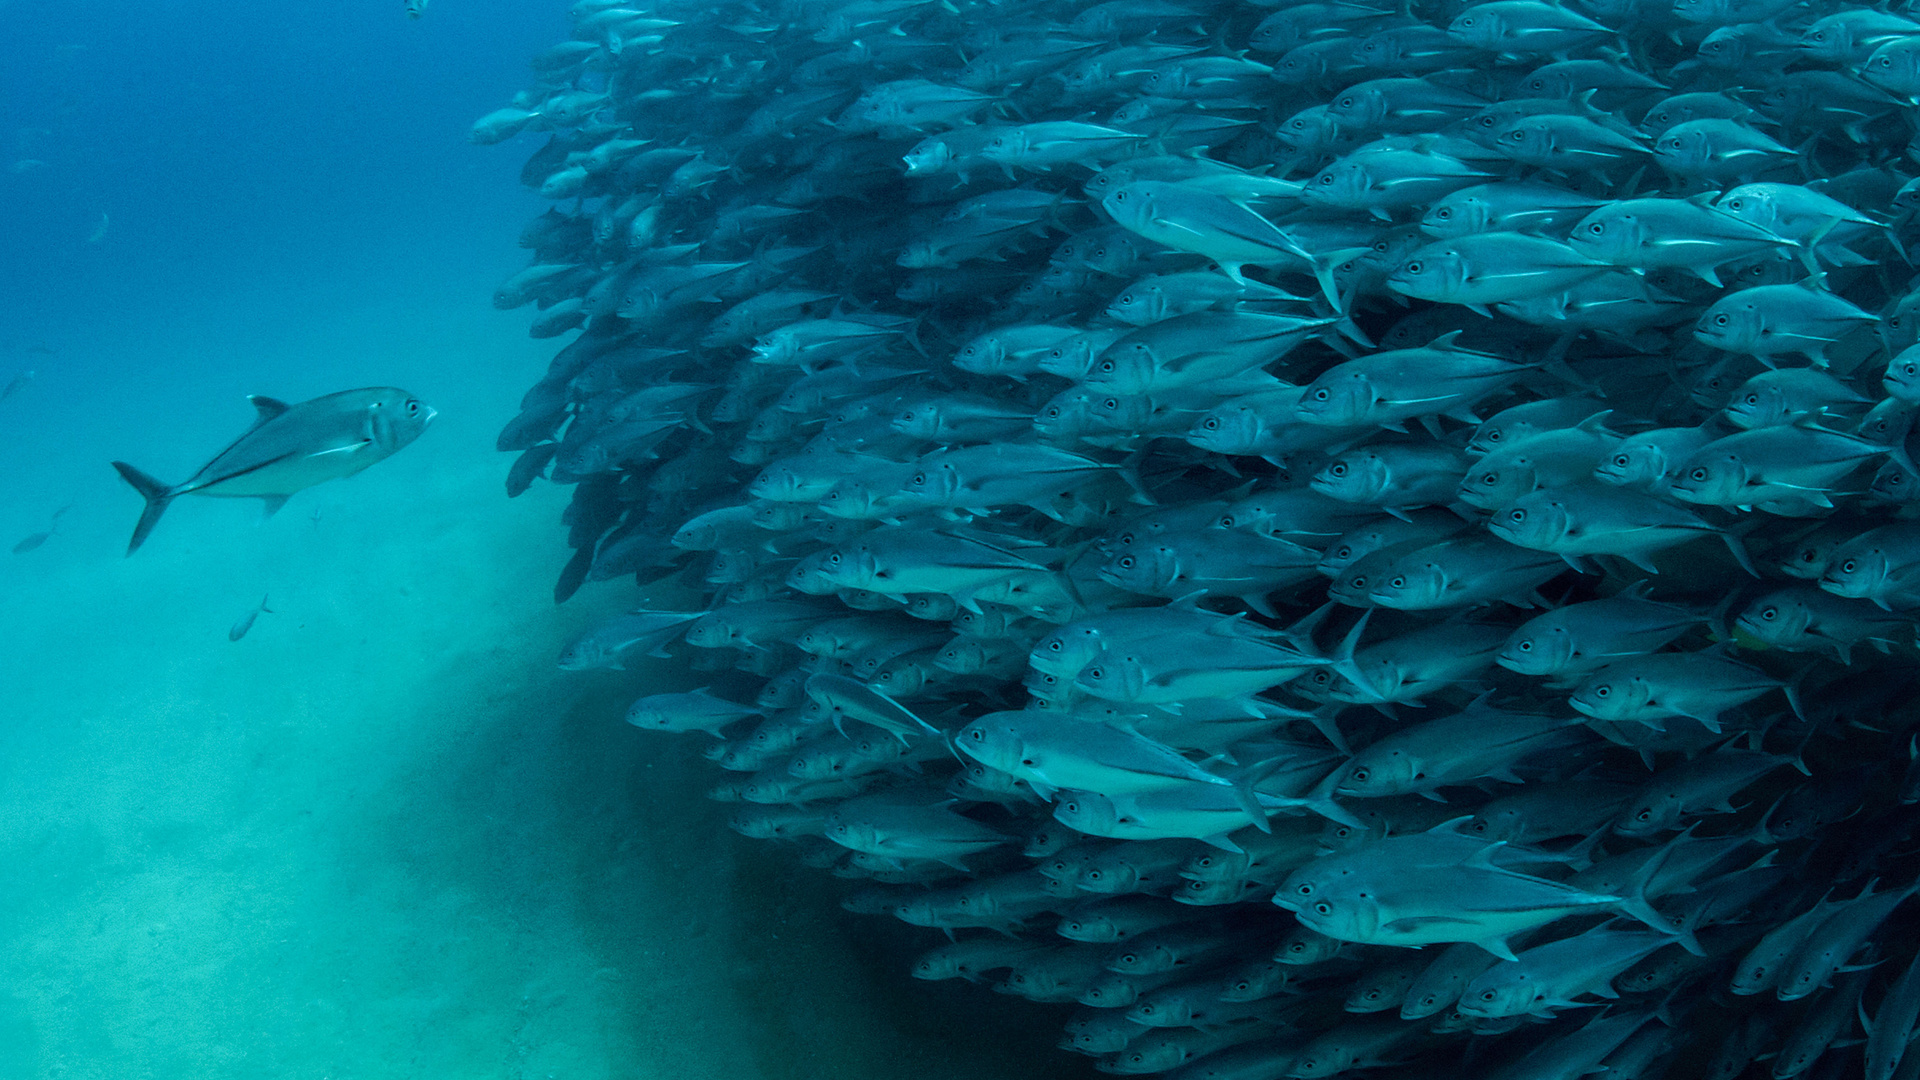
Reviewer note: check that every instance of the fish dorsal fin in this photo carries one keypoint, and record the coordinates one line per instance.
(269, 408)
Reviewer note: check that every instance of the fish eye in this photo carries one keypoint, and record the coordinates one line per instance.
(1338, 468)
(1909, 368)
(1346, 102)
(1110, 403)
(1596, 228)
(1126, 562)
(1326, 178)
(1516, 516)
(1323, 908)
(1602, 691)
(1753, 399)
(1321, 394)
(1443, 213)
(1490, 478)
(1525, 646)
(1734, 204)
(1211, 423)
(1848, 567)
(1414, 267)
(1769, 614)
(1362, 774)
(1398, 582)
(1622, 460)
(1720, 319)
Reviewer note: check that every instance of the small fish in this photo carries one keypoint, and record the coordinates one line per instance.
(19, 382)
(245, 623)
(33, 541)
(416, 8)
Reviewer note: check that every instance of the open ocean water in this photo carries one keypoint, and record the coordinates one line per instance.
(381, 835)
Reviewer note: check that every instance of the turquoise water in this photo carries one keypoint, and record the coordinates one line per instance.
(382, 835)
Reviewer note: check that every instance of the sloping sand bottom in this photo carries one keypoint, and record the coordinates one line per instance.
(383, 835)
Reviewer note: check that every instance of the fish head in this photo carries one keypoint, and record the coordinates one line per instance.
(1512, 994)
(1436, 272)
(1087, 812)
(1068, 414)
(1496, 482)
(1123, 369)
(1481, 27)
(901, 676)
(1611, 694)
(1857, 569)
(1528, 139)
(1538, 648)
(1734, 323)
(1892, 485)
(1752, 203)
(1336, 399)
(1711, 478)
(1899, 326)
(1113, 677)
(1457, 214)
(933, 483)
(1610, 235)
(1413, 585)
(1376, 774)
(1654, 811)
(1147, 569)
(1132, 205)
(1357, 476)
(1353, 584)
(1345, 184)
(809, 575)
(961, 657)
(1304, 946)
(1358, 107)
(1894, 67)
(993, 742)
(1903, 375)
(1112, 875)
(1758, 405)
(1233, 428)
(854, 834)
(1780, 619)
(983, 355)
(1310, 130)
(1066, 651)
(1539, 521)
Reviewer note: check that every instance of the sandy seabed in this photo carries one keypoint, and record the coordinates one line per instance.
(383, 835)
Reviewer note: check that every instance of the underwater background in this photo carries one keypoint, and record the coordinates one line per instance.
(382, 835)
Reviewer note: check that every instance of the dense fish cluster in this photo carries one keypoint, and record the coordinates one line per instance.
(1338, 536)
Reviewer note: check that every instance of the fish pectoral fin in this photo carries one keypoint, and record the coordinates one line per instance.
(347, 449)
(271, 504)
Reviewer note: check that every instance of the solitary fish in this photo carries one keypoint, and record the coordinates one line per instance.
(416, 8)
(34, 540)
(239, 629)
(292, 447)
(16, 384)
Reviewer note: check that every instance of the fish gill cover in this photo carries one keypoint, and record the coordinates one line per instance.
(1339, 537)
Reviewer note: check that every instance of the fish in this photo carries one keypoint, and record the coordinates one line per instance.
(20, 381)
(416, 8)
(290, 448)
(33, 541)
(245, 623)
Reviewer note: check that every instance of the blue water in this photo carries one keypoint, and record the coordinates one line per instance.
(381, 835)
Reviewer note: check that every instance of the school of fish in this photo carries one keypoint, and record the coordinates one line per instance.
(1338, 536)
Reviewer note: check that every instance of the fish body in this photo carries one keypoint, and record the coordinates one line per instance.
(290, 448)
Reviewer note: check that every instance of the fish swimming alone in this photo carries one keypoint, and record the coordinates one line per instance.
(291, 448)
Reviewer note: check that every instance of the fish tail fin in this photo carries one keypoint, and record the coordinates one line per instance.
(158, 495)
